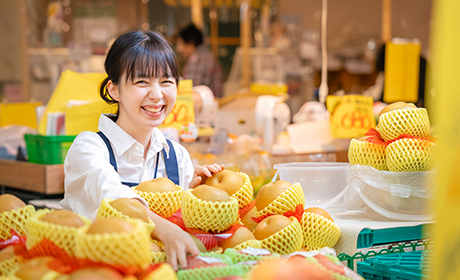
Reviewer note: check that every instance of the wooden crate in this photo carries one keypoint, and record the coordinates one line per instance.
(46, 179)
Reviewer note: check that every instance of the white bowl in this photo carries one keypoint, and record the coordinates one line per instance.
(323, 183)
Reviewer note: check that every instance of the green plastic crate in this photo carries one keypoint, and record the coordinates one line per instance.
(412, 265)
(47, 149)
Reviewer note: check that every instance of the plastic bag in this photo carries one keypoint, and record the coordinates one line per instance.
(394, 195)
(12, 137)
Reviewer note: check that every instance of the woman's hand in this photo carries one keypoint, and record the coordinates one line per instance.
(177, 242)
(202, 172)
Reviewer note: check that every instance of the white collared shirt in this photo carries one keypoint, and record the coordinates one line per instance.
(89, 176)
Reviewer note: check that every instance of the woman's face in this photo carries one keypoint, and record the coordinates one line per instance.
(144, 102)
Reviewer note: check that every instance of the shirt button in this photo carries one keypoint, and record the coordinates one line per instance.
(138, 148)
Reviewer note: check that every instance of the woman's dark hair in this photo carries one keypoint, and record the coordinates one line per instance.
(138, 54)
(191, 34)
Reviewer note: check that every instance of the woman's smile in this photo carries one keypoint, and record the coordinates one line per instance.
(153, 111)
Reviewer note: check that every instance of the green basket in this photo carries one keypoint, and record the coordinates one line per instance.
(47, 149)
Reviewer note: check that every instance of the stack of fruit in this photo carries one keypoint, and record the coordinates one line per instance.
(118, 244)
(401, 143)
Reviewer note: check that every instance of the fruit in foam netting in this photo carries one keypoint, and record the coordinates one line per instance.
(194, 262)
(34, 268)
(63, 218)
(95, 273)
(270, 192)
(155, 248)
(10, 202)
(110, 226)
(226, 180)
(241, 235)
(7, 253)
(246, 219)
(270, 226)
(396, 106)
(158, 185)
(298, 269)
(211, 194)
(319, 211)
(131, 208)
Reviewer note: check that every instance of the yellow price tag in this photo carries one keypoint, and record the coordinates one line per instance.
(183, 111)
(352, 116)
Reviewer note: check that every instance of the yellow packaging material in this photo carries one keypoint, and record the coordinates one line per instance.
(9, 267)
(15, 219)
(157, 257)
(125, 249)
(164, 204)
(285, 241)
(254, 243)
(208, 216)
(164, 272)
(288, 200)
(107, 211)
(410, 155)
(366, 153)
(62, 236)
(412, 121)
(318, 232)
(245, 193)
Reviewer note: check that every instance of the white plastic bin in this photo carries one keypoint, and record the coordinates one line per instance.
(323, 183)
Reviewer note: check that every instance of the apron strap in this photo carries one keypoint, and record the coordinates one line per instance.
(172, 168)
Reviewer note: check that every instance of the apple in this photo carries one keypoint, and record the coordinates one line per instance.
(226, 180)
(131, 208)
(270, 226)
(270, 192)
(95, 273)
(63, 218)
(7, 253)
(10, 202)
(319, 211)
(396, 106)
(211, 194)
(241, 235)
(246, 219)
(109, 226)
(158, 185)
(34, 269)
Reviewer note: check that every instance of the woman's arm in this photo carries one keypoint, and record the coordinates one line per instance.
(177, 242)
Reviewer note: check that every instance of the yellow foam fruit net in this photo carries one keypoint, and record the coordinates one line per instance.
(208, 216)
(10, 266)
(164, 204)
(62, 236)
(157, 257)
(366, 153)
(285, 241)
(125, 248)
(254, 243)
(245, 193)
(164, 272)
(15, 219)
(412, 121)
(288, 200)
(410, 155)
(318, 232)
(107, 211)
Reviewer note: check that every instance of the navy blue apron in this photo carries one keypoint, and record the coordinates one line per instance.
(172, 168)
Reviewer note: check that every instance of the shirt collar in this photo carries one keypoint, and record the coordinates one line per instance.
(122, 141)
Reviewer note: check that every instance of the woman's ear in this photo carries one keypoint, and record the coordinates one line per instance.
(112, 88)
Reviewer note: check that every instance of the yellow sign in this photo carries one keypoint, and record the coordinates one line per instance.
(86, 117)
(183, 111)
(402, 68)
(351, 115)
(19, 114)
(446, 58)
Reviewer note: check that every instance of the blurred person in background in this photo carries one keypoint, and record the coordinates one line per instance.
(201, 66)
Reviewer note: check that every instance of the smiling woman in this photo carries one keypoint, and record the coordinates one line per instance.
(142, 78)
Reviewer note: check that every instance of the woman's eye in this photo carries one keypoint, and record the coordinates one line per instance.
(141, 82)
(167, 82)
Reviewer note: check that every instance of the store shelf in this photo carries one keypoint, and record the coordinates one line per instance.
(372, 237)
(404, 266)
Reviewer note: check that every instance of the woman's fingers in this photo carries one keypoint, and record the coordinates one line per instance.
(181, 256)
(171, 258)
